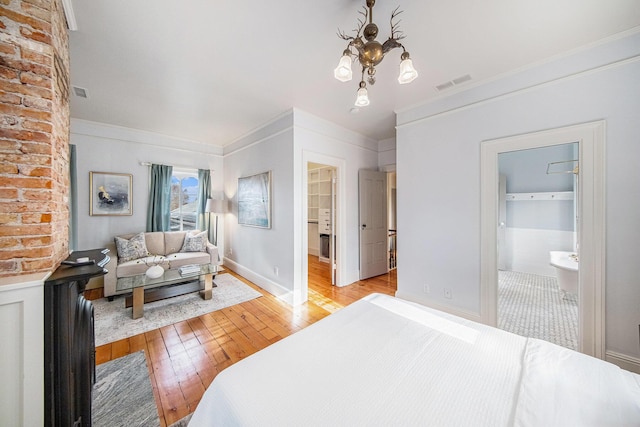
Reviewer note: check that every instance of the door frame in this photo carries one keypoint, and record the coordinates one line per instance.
(341, 219)
(591, 232)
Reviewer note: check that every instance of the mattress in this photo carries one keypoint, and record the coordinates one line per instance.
(385, 361)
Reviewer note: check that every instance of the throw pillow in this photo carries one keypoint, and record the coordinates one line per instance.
(195, 242)
(130, 249)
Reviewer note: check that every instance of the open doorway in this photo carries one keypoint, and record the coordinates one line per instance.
(321, 221)
(538, 251)
(301, 287)
(590, 227)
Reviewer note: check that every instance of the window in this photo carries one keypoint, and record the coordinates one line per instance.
(184, 199)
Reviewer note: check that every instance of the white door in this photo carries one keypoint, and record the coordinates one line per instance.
(373, 223)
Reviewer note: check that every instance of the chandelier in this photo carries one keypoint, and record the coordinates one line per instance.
(371, 52)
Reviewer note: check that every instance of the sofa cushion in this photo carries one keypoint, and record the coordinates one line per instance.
(131, 268)
(195, 242)
(130, 249)
(173, 241)
(185, 258)
(155, 243)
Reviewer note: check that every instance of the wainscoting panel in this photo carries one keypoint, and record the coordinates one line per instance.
(527, 250)
(22, 355)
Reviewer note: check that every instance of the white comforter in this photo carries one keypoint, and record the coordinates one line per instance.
(384, 361)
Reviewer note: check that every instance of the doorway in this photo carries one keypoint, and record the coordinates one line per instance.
(590, 228)
(301, 284)
(321, 217)
(538, 255)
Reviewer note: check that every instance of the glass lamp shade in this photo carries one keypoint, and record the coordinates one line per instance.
(343, 70)
(362, 100)
(407, 72)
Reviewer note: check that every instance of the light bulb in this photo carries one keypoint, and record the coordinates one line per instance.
(362, 100)
(343, 70)
(407, 72)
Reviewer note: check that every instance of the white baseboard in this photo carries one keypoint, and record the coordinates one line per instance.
(268, 285)
(629, 363)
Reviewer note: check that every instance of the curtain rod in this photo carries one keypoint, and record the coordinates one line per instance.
(175, 166)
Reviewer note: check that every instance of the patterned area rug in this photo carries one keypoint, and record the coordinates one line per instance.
(122, 395)
(113, 321)
(534, 306)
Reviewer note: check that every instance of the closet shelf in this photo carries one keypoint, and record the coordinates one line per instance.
(557, 195)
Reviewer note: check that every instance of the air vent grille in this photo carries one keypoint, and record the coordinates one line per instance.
(454, 82)
(80, 92)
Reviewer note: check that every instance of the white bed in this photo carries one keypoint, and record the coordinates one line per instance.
(385, 361)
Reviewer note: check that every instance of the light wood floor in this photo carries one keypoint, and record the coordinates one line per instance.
(185, 357)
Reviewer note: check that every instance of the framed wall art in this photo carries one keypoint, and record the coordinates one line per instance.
(110, 193)
(254, 200)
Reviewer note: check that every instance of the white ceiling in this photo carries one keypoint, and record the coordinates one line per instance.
(212, 70)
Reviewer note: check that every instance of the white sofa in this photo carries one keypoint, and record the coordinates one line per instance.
(166, 243)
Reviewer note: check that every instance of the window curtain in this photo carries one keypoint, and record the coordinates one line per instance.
(204, 193)
(73, 199)
(159, 211)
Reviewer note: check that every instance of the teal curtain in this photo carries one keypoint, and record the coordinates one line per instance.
(204, 193)
(159, 211)
(73, 199)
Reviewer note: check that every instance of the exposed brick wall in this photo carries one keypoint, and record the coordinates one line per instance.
(34, 136)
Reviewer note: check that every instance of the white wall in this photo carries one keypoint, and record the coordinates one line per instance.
(284, 146)
(106, 148)
(527, 249)
(535, 227)
(318, 136)
(257, 252)
(387, 154)
(438, 160)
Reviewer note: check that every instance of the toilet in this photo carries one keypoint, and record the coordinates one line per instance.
(566, 265)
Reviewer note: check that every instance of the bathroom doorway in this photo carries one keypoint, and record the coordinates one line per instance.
(538, 293)
(590, 204)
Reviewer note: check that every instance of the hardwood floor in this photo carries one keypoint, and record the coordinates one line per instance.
(185, 357)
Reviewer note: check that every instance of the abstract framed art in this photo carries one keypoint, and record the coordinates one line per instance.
(254, 200)
(110, 194)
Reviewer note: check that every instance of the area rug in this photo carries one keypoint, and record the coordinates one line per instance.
(122, 395)
(113, 321)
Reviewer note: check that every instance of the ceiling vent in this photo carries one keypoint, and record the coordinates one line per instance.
(454, 82)
(79, 92)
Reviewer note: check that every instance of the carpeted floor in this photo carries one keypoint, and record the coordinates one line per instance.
(533, 306)
(122, 395)
(113, 321)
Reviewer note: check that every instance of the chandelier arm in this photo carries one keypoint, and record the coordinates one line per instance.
(396, 34)
(362, 20)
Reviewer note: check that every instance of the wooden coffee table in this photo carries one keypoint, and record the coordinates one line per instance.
(137, 285)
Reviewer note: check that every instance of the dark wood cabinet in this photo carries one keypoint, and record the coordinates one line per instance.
(69, 345)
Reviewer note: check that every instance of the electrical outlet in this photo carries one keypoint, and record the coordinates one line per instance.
(447, 293)
(427, 289)
(276, 271)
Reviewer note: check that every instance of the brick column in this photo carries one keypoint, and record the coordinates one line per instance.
(34, 136)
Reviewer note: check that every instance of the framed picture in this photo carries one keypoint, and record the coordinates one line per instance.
(110, 193)
(254, 200)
